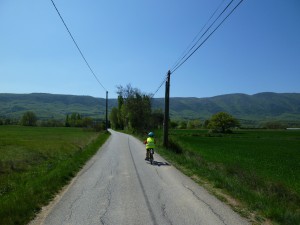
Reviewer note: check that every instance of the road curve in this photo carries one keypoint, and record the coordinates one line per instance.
(117, 186)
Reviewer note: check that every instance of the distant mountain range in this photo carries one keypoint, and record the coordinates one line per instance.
(250, 109)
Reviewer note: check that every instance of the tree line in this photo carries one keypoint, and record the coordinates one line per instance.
(134, 113)
(29, 118)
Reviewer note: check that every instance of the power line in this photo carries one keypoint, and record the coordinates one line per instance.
(187, 53)
(183, 60)
(77, 45)
(161, 84)
(188, 49)
(191, 48)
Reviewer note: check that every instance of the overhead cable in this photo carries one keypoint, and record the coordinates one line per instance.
(77, 46)
(161, 84)
(190, 50)
(190, 46)
(185, 58)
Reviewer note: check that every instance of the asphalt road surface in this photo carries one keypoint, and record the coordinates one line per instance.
(117, 186)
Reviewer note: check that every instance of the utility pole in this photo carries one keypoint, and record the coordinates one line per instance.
(166, 117)
(106, 110)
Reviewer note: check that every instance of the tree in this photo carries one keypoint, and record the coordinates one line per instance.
(182, 125)
(29, 119)
(114, 118)
(120, 120)
(194, 124)
(173, 124)
(87, 122)
(222, 122)
(77, 120)
(67, 122)
(137, 111)
(134, 109)
(157, 119)
(205, 124)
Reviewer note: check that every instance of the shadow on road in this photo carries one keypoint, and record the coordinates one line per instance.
(156, 163)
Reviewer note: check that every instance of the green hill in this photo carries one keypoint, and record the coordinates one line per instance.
(48, 106)
(250, 109)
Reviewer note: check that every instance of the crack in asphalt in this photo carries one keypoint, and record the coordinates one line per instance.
(109, 195)
(73, 206)
(201, 200)
(159, 175)
(163, 208)
(165, 214)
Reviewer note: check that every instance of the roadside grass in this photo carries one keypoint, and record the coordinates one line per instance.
(36, 162)
(259, 168)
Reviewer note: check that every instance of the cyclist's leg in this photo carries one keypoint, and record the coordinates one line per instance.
(147, 154)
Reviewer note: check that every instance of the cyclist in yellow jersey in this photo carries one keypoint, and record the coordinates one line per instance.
(150, 143)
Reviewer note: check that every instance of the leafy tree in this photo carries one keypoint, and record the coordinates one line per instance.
(99, 125)
(173, 124)
(222, 122)
(206, 123)
(8, 121)
(75, 120)
(194, 124)
(67, 122)
(120, 119)
(182, 125)
(87, 122)
(157, 119)
(114, 118)
(29, 119)
(134, 109)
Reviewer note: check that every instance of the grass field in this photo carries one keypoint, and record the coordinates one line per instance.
(36, 162)
(260, 168)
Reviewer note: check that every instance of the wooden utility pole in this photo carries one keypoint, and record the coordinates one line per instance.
(166, 117)
(106, 122)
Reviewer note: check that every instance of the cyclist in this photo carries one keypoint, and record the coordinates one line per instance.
(150, 143)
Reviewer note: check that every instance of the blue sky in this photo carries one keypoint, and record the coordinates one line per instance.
(257, 49)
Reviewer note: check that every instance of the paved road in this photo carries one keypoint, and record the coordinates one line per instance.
(117, 186)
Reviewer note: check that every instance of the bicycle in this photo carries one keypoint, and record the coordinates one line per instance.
(151, 153)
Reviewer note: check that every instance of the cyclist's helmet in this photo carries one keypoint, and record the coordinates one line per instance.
(151, 134)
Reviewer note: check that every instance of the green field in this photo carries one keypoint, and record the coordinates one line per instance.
(260, 168)
(36, 162)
